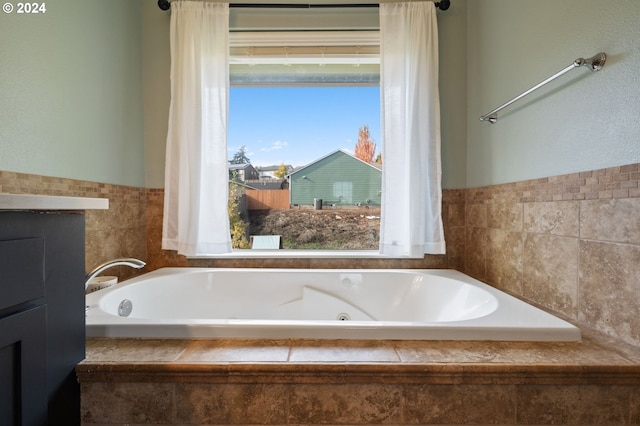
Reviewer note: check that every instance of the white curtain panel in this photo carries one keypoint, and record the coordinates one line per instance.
(411, 221)
(195, 205)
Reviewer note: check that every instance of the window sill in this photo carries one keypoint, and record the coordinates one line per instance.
(297, 254)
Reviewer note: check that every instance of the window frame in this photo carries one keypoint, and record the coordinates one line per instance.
(239, 40)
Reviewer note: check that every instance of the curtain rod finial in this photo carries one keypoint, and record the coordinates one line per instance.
(443, 4)
(164, 4)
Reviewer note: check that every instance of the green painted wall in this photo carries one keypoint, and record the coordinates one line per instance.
(337, 178)
(74, 83)
(71, 91)
(583, 120)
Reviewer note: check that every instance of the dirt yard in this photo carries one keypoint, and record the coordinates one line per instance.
(328, 229)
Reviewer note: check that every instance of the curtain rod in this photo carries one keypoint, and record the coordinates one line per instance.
(166, 5)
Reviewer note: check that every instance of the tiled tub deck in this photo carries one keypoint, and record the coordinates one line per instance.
(279, 382)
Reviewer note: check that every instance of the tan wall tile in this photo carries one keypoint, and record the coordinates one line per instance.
(476, 249)
(460, 404)
(231, 404)
(556, 218)
(634, 416)
(550, 272)
(609, 289)
(150, 403)
(455, 214)
(505, 216)
(504, 260)
(345, 404)
(616, 220)
(455, 241)
(573, 405)
(476, 215)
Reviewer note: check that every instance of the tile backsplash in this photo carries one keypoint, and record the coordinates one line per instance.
(116, 232)
(569, 243)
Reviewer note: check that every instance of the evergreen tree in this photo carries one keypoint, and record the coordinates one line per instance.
(240, 157)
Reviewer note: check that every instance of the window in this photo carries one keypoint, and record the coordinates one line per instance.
(298, 102)
(411, 225)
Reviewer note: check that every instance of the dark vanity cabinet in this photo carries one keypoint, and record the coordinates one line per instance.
(41, 316)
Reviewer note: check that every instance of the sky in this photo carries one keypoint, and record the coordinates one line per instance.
(298, 125)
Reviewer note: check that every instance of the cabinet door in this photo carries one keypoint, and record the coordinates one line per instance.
(23, 368)
(21, 272)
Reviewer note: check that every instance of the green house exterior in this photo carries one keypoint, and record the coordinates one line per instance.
(338, 178)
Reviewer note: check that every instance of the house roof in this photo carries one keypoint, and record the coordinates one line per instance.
(377, 167)
(240, 166)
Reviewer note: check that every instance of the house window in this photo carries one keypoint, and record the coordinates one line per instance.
(293, 94)
(342, 192)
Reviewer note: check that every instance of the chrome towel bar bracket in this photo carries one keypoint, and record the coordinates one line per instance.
(594, 63)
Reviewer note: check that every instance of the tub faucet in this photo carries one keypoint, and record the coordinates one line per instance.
(127, 261)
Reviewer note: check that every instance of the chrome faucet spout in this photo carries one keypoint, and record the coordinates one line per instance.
(125, 261)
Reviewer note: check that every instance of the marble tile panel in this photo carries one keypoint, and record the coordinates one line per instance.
(455, 247)
(133, 242)
(460, 404)
(476, 252)
(476, 215)
(552, 217)
(263, 404)
(505, 216)
(609, 289)
(615, 220)
(235, 350)
(99, 220)
(321, 351)
(585, 353)
(136, 350)
(455, 215)
(504, 260)
(148, 403)
(634, 409)
(550, 272)
(573, 405)
(353, 404)
(101, 246)
(458, 352)
(125, 214)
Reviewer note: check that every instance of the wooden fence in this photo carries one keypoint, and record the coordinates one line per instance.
(265, 199)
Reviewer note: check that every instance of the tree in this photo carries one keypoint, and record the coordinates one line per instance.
(240, 157)
(281, 172)
(365, 148)
(237, 226)
(379, 158)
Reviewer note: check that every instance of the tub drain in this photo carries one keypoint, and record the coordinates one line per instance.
(343, 317)
(125, 308)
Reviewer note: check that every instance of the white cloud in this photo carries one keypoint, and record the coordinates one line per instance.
(275, 146)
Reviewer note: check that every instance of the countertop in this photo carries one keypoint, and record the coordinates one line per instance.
(49, 202)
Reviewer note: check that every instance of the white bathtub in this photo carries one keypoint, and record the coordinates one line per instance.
(317, 304)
